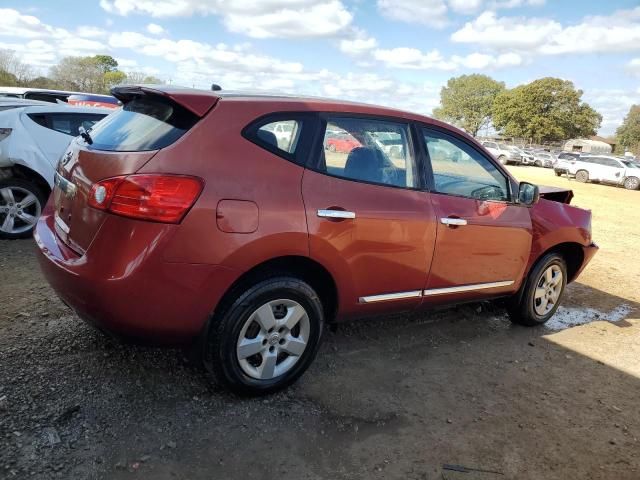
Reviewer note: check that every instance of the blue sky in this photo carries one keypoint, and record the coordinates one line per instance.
(392, 52)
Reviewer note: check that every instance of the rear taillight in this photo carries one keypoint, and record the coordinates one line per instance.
(153, 197)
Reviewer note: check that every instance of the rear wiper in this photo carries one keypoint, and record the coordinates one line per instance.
(85, 135)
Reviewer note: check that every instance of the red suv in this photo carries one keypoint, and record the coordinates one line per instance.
(182, 217)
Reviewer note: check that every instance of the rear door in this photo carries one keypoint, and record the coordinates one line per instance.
(369, 220)
(483, 237)
(612, 170)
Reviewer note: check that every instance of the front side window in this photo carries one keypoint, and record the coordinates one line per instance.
(458, 169)
(369, 150)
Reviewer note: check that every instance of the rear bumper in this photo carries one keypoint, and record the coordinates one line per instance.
(122, 284)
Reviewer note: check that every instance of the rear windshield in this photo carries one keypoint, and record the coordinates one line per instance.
(144, 123)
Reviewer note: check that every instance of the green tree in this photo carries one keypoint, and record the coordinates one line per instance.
(629, 132)
(8, 79)
(141, 77)
(548, 109)
(95, 74)
(467, 101)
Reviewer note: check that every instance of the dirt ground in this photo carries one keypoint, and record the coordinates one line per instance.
(386, 398)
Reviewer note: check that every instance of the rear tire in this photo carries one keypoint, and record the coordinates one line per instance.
(266, 337)
(632, 183)
(538, 163)
(503, 160)
(541, 293)
(582, 176)
(21, 203)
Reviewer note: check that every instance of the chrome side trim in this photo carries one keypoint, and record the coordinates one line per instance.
(336, 214)
(466, 288)
(390, 296)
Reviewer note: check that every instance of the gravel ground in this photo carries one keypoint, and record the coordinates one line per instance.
(386, 398)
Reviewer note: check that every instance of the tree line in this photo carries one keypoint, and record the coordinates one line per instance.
(92, 74)
(545, 110)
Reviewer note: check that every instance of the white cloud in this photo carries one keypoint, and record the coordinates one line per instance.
(634, 66)
(414, 59)
(506, 32)
(481, 61)
(216, 56)
(613, 104)
(618, 32)
(40, 44)
(255, 18)
(155, 29)
(90, 32)
(427, 12)
(435, 13)
(360, 45)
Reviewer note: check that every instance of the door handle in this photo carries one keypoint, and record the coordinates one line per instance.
(453, 222)
(340, 214)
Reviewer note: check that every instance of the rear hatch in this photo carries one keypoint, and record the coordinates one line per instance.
(119, 145)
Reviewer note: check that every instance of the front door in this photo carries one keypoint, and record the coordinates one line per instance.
(369, 220)
(483, 239)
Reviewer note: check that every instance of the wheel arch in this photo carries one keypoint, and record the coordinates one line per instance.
(26, 173)
(573, 254)
(301, 267)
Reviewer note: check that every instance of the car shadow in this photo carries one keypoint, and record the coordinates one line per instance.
(393, 397)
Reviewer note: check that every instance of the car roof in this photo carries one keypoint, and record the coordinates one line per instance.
(23, 90)
(20, 102)
(52, 107)
(288, 101)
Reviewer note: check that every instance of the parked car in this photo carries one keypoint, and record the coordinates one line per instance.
(561, 166)
(503, 153)
(605, 169)
(7, 103)
(57, 96)
(178, 220)
(341, 142)
(32, 140)
(543, 159)
(391, 144)
(528, 156)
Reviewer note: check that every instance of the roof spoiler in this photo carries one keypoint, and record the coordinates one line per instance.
(198, 102)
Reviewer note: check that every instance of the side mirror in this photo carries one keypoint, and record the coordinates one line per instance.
(528, 193)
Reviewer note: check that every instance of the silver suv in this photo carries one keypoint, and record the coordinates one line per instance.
(505, 154)
(605, 169)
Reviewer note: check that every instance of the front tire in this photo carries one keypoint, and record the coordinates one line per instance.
(21, 203)
(503, 160)
(267, 336)
(632, 183)
(582, 176)
(542, 292)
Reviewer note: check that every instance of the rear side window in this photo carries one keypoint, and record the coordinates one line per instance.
(67, 123)
(369, 150)
(145, 123)
(283, 134)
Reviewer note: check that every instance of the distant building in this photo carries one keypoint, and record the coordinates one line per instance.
(588, 146)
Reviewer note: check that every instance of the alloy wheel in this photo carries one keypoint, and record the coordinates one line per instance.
(548, 290)
(272, 339)
(19, 210)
